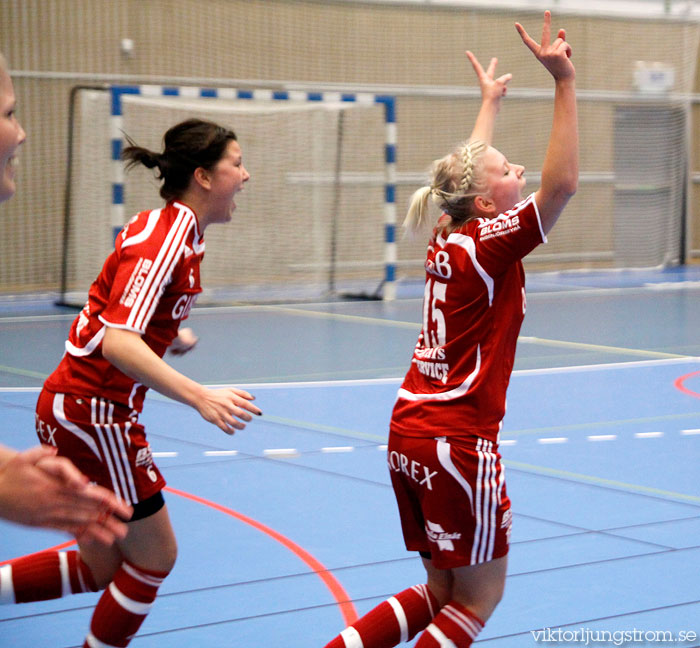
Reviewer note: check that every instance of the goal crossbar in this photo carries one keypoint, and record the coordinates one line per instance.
(117, 92)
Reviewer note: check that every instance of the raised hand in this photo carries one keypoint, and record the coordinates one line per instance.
(554, 55)
(491, 88)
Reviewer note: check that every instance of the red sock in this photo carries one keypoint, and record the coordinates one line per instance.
(123, 606)
(392, 622)
(43, 576)
(455, 626)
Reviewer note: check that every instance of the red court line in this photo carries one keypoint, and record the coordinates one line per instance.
(336, 589)
(678, 384)
(339, 594)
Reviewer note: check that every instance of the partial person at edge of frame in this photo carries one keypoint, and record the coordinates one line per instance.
(113, 356)
(443, 453)
(37, 488)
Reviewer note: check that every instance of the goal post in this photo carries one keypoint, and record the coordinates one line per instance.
(318, 216)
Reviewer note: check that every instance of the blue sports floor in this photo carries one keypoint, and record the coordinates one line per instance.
(288, 529)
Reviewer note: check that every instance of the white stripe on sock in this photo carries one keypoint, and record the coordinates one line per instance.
(440, 636)
(153, 581)
(7, 588)
(65, 573)
(400, 617)
(425, 593)
(352, 638)
(469, 625)
(94, 642)
(135, 607)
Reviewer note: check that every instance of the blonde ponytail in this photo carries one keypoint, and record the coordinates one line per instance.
(418, 215)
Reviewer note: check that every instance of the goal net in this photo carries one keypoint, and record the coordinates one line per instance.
(309, 225)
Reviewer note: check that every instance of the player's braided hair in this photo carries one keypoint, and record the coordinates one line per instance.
(455, 183)
(188, 145)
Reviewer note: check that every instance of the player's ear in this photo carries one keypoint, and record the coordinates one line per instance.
(485, 205)
(202, 178)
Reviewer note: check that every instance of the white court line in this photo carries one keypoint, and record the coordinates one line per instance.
(398, 380)
(281, 452)
(293, 452)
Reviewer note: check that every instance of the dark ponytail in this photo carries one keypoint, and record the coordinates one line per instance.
(186, 146)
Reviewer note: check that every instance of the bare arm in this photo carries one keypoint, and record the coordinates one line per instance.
(560, 167)
(127, 351)
(492, 91)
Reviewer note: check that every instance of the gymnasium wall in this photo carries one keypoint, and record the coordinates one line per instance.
(53, 45)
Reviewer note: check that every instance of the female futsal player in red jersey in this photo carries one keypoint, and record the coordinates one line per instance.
(89, 406)
(443, 444)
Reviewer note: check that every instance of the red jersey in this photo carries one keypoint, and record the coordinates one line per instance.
(147, 285)
(473, 307)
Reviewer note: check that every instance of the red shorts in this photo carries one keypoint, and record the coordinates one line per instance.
(452, 498)
(103, 439)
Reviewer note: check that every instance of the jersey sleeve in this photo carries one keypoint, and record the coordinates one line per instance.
(509, 237)
(146, 256)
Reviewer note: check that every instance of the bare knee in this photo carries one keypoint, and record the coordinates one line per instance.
(440, 582)
(163, 560)
(480, 587)
(150, 543)
(102, 563)
(168, 558)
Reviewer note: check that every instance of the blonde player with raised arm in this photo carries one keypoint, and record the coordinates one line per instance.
(443, 443)
(89, 407)
(36, 487)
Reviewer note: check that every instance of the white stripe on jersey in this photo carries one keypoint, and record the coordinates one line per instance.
(487, 499)
(443, 454)
(125, 459)
(488, 518)
(153, 217)
(478, 508)
(467, 242)
(166, 271)
(134, 389)
(89, 347)
(105, 422)
(117, 463)
(522, 203)
(197, 247)
(119, 455)
(446, 395)
(105, 448)
(152, 283)
(60, 416)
